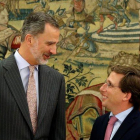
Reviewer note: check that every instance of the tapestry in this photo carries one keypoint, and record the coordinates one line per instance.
(94, 35)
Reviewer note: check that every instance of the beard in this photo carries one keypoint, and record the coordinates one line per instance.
(38, 56)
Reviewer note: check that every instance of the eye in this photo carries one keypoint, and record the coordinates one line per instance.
(49, 43)
(109, 84)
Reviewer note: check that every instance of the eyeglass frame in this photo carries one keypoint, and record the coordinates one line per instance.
(110, 85)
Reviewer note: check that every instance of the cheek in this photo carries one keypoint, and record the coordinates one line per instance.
(46, 48)
(2, 21)
(117, 98)
(111, 95)
(41, 47)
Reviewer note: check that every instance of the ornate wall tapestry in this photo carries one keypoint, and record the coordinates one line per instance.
(95, 34)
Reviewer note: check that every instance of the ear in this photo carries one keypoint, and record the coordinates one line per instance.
(29, 39)
(127, 96)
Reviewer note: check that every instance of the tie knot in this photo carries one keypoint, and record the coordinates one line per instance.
(31, 68)
(112, 120)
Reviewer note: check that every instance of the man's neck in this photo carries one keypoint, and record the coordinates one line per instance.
(116, 111)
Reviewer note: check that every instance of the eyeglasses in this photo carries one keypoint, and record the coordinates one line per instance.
(109, 84)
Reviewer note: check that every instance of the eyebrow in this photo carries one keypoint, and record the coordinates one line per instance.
(110, 82)
(50, 42)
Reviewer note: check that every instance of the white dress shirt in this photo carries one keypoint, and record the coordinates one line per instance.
(121, 117)
(23, 67)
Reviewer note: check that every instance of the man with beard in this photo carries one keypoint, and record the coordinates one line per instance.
(32, 104)
(121, 95)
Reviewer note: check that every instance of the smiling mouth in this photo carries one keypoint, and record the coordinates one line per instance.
(46, 56)
(104, 97)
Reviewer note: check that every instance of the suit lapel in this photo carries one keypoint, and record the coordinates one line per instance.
(44, 91)
(126, 125)
(14, 82)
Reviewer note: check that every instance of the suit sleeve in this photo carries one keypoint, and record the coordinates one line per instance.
(58, 128)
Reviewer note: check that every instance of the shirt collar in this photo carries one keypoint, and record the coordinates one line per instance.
(21, 62)
(121, 116)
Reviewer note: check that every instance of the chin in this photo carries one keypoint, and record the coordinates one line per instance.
(103, 104)
(43, 62)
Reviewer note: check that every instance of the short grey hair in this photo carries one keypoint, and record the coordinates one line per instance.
(34, 24)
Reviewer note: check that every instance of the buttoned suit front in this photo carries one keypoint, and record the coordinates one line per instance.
(15, 123)
(129, 129)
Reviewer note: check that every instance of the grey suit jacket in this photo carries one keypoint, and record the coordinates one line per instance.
(15, 123)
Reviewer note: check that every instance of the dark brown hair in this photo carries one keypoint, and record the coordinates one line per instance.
(130, 82)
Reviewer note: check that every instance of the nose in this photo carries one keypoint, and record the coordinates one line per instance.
(103, 87)
(54, 49)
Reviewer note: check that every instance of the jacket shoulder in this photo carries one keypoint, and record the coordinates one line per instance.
(51, 70)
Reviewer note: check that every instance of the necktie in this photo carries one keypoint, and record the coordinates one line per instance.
(110, 126)
(32, 99)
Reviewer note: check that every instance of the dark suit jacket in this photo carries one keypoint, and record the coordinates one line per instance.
(129, 129)
(15, 123)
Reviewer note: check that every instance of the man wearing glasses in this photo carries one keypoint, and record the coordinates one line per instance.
(121, 95)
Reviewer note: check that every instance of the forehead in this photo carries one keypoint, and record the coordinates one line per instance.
(4, 12)
(115, 77)
(50, 34)
(50, 28)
